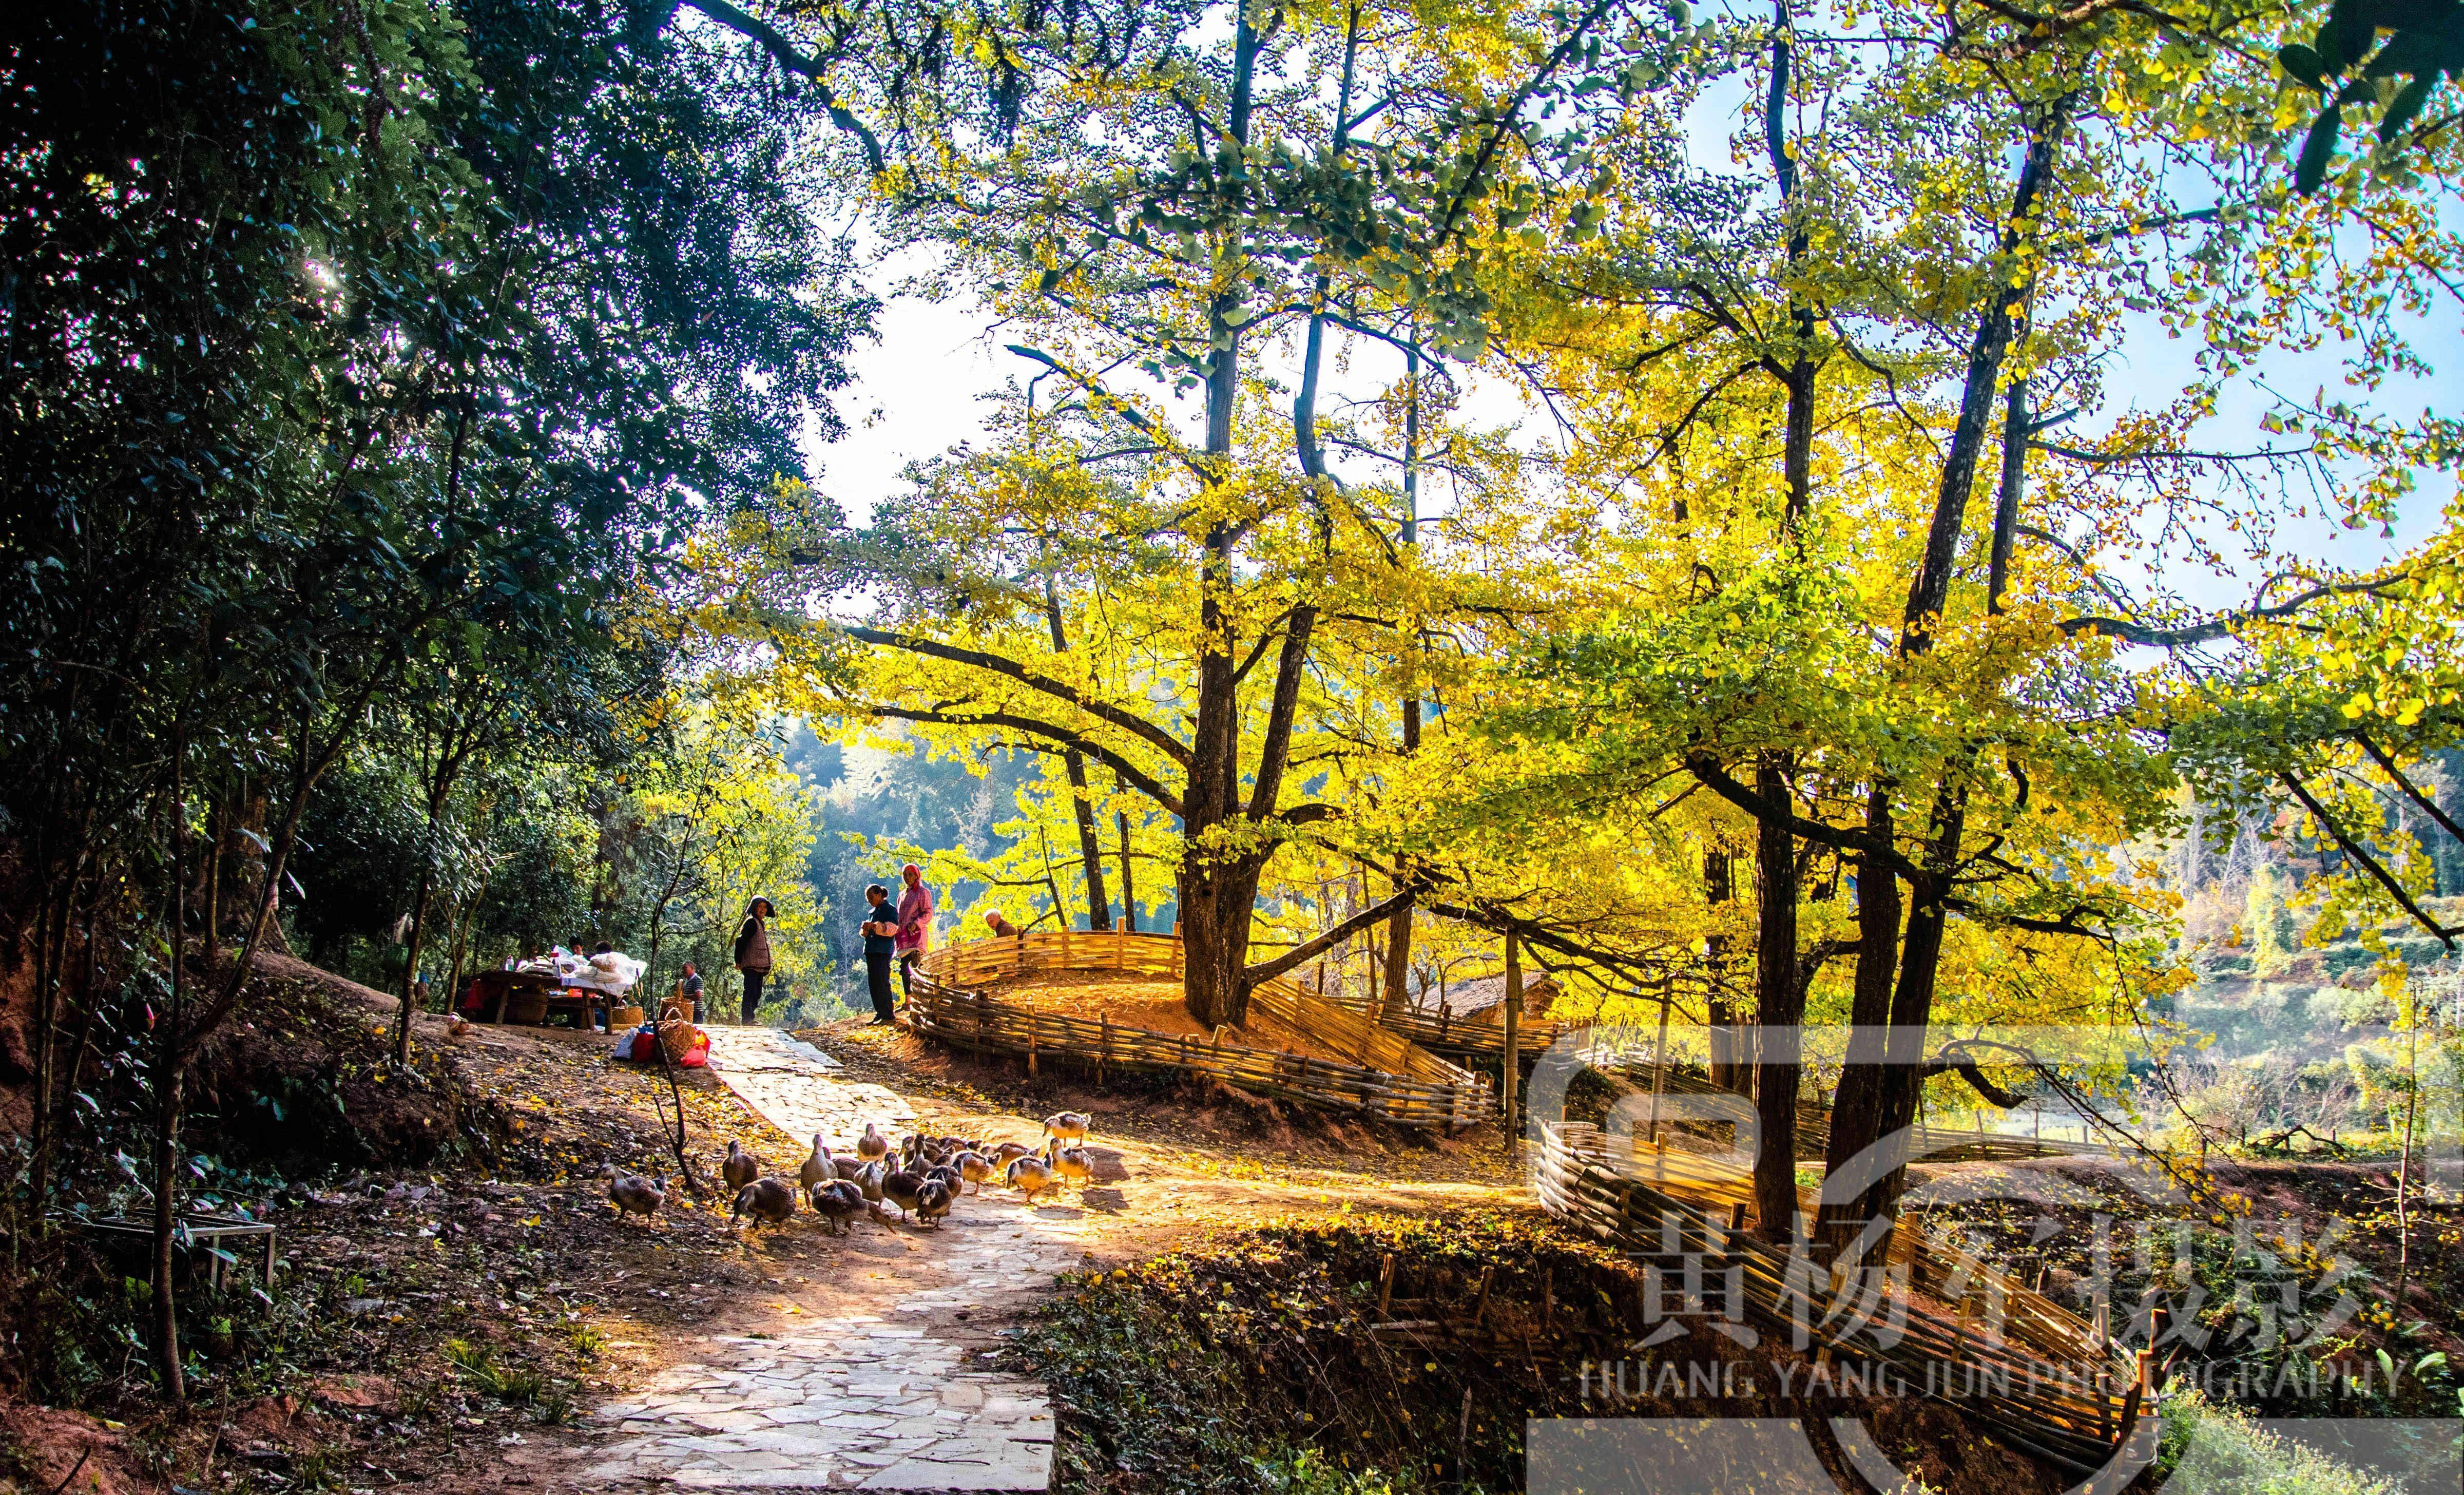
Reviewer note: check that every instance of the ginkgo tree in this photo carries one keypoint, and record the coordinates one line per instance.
(1208, 609)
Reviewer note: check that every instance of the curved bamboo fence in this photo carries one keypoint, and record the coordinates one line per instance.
(1940, 1324)
(954, 1000)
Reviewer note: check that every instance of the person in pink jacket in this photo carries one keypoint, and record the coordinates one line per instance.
(914, 924)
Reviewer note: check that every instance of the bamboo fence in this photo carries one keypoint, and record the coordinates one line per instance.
(1445, 1033)
(1940, 1323)
(954, 1001)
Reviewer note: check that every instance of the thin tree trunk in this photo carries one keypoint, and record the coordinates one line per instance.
(410, 969)
(1780, 1003)
(169, 1063)
(1720, 1013)
(1129, 891)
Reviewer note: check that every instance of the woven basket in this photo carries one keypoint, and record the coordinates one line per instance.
(526, 1006)
(677, 1038)
(623, 1018)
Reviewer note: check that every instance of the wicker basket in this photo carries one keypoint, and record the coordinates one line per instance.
(526, 1006)
(677, 1038)
(621, 1018)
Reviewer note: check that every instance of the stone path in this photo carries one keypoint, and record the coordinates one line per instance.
(880, 1401)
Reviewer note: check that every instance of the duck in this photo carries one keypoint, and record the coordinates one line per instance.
(975, 1168)
(817, 1166)
(933, 1203)
(634, 1194)
(1029, 1176)
(868, 1182)
(902, 1189)
(837, 1202)
(768, 1200)
(1070, 1164)
(1008, 1153)
(947, 1177)
(871, 1147)
(849, 1168)
(1067, 1126)
(740, 1167)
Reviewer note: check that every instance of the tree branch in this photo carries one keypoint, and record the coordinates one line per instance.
(2369, 863)
(1268, 970)
(1154, 735)
(1131, 774)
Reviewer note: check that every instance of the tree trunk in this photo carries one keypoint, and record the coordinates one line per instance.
(1780, 1001)
(1720, 1013)
(166, 1182)
(1214, 909)
(1128, 889)
(1099, 914)
(170, 1060)
(1856, 1112)
(410, 969)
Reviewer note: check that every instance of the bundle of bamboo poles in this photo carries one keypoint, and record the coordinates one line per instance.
(1947, 1324)
(954, 999)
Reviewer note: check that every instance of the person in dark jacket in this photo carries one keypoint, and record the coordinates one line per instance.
(753, 953)
(880, 948)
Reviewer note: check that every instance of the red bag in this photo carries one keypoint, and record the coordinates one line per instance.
(646, 1048)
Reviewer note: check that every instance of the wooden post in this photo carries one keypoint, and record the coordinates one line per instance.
(1031, 1016)
(1175, 949)
(1385, 1284)
(1548, 1299)
(1104, 1021)
(1479, 1304)
(1510, 1074)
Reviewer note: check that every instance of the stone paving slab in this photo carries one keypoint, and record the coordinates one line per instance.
(863, 1401)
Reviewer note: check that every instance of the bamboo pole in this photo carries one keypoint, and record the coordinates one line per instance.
(1511, 1071)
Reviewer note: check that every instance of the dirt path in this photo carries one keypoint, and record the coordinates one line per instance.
(879, 1376)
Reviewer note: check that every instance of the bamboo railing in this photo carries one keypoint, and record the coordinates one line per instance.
(954, 1000)
(1940, 1323)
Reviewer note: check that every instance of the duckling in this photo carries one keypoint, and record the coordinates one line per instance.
(837, 1202)
(1029, 1176)
(1070, 1165)
(871, 1147)
(869, 1182)
(817, 1166)
(740, 1167)
(634, 1195)
(1067, 1126)
(902, 1189)
(975, 1168)
(768, 1200)
(933, 1203)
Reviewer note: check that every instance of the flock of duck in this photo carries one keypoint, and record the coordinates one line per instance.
(922, 1176)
